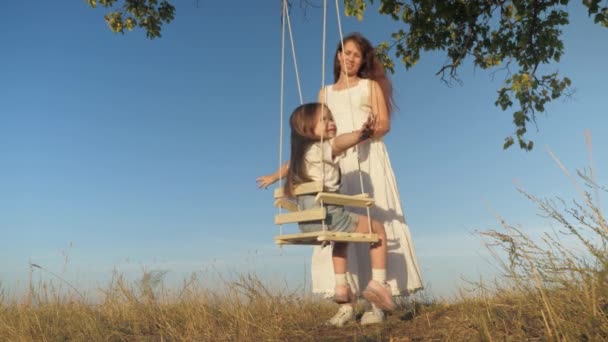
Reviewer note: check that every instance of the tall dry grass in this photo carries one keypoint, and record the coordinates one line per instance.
(553, 287)
(144, 311)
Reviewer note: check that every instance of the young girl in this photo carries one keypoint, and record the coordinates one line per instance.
(315, 151)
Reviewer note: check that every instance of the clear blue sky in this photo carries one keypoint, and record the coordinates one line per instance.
(123, 153)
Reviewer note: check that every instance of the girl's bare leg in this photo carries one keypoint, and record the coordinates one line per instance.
(377, 291)
(377, 251)
(342, 291)
(339, 258)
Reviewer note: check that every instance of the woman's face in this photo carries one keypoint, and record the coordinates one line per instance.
(350, 59)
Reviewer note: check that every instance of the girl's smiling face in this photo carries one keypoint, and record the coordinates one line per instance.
(325, 127)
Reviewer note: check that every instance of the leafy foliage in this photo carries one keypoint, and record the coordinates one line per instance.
(523, 34)
(147, 14)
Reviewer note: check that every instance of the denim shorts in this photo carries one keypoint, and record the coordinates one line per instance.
(337, 218)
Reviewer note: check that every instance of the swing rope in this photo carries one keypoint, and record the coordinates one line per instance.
(287, 22)
(293, 52)
(323, 223)
(281, 101)
(350, 103)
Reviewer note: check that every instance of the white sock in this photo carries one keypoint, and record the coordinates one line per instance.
(379, 275)
(341, 279)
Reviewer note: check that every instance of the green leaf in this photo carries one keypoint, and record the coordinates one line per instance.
(508, 142)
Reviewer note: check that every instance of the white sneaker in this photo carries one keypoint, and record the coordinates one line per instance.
(345, 313)
(373, 316)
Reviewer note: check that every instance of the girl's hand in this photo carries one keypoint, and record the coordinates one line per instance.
(265, 181)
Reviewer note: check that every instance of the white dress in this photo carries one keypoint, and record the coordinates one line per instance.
(350, 108)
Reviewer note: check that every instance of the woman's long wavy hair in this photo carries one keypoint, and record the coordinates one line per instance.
(302, 123)
(371, 68)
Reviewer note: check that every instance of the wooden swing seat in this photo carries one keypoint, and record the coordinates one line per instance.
(315, 214)
(361, 200)
(320, 237)
(295, 215)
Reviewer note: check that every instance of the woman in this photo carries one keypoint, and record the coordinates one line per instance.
(361, 88)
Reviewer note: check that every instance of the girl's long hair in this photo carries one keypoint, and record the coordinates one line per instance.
(302, 123)
(371, 68)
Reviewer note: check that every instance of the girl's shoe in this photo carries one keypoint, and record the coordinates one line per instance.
(373, 316)
(380, 295)
(345, 314)
(343, 294)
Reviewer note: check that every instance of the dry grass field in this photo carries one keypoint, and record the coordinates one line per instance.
(550, 290)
